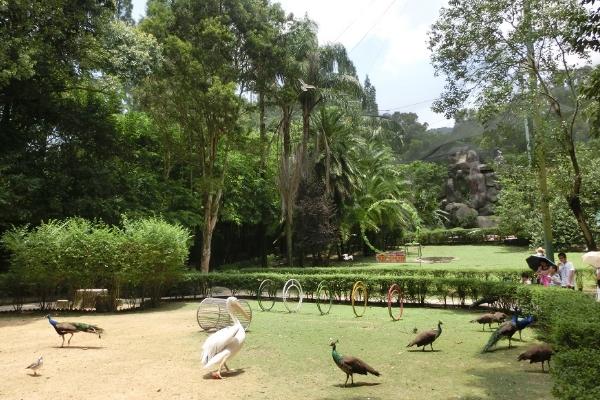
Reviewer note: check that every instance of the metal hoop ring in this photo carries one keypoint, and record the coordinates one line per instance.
(324, 289)
(267, 285)
(357, 288)
(395, 290)
(292, 283)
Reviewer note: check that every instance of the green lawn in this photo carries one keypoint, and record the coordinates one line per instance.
(474, 257)
(291, 353)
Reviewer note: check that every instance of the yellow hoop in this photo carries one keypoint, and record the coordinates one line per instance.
(356, 289)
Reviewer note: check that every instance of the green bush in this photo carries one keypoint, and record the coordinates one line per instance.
(155, 254)
(59, 257)
(570, 320)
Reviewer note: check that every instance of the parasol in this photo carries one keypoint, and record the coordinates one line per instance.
(592, 258)
(534, 262)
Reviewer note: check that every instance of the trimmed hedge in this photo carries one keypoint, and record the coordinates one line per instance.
(417, 288)
(499, 275)
(570, 320)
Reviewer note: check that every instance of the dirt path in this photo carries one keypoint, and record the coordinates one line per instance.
(142, 356)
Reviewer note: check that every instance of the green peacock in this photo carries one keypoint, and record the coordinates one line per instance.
(63, 328)
(350, 365)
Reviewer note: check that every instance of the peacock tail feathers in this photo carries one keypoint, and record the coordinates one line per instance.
(83, 327)
(496, 335)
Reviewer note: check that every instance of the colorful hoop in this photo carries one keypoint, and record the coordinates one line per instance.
(356, 289)
(267, 285)
(324, 307)
(395, 290)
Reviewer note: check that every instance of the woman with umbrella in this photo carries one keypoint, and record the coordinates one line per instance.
(541, 266)
(593, 258)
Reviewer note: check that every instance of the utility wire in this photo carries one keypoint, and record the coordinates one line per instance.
(407, 105)
(383, 46)
(373, 26)
(359, 15)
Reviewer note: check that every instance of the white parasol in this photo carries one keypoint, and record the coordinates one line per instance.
(592, 258)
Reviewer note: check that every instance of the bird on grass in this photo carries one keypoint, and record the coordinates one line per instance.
(62, 328)
(506, 329)
(522, 323)
(222, 345)
(484, 300)
(34, 366)
(538, 353)
(499, 317)
(483, 319)
(427, 337)
(350, 365)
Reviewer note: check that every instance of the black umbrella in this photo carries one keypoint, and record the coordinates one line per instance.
(534, 262)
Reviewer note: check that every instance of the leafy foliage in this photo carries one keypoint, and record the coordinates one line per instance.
(59, 257)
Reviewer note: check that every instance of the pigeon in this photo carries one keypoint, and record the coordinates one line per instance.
(36, 365)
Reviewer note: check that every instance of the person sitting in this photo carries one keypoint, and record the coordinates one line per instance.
(525, 278)
(540, 252)
(542, 273)
(555, 279)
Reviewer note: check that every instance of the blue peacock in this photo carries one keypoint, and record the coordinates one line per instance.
(507, 330)
(62, 328)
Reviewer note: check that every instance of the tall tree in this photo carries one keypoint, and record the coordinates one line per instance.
(199, 88)
(486, 48)
(63, 64)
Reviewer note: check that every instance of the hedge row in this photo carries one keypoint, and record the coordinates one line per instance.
(400, 271)
(417, 289)
(570, 320)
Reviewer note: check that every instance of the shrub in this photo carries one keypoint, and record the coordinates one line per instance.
(59, 257)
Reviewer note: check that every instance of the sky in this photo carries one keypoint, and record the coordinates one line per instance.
(386, 40)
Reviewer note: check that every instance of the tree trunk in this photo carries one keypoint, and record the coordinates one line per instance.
(262, 225)
(538, 136)
(573, 197)
(285, 182)
(211, 212)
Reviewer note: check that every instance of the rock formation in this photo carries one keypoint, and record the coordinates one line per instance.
(471, 190)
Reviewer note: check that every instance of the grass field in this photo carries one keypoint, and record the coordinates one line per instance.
(474, 257)
(155, 355)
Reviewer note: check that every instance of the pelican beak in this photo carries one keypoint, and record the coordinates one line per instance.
(240, 309)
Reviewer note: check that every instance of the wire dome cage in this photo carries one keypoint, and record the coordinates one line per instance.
(212, 314)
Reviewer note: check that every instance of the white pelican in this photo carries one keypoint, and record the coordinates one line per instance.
(225, 343)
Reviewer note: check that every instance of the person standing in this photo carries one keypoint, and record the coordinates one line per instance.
(566, 271)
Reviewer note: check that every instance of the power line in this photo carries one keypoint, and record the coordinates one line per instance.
(382, 47)
(373, 26)
(408, 105)
(359, 15)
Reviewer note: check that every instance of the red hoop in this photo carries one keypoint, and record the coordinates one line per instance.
(395, 290)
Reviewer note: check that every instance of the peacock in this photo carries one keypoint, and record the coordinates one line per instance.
(484, 300)
(427, 337)
(506, 329)
(62, 328)
(499, 317)
(483, 319)
(522, 323)
(350, 365)
(538, 353)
